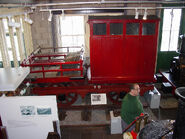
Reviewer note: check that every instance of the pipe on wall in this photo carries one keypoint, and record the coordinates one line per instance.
(89, 3)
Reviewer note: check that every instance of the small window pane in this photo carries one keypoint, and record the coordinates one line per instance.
(165, 40)
(72, 25)
(99, 29)
(69, 41)
(174, 40)
(132, 29)
(116, 29)
(148, 29)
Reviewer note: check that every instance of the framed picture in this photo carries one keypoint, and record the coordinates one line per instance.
(44, 111)
(27, 110)
(98, 99)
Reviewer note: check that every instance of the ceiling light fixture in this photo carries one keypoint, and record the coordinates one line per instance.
(28, 20)
(137, 14)
(145, 15)
(13, 24)
(50, 16)
(63, 16)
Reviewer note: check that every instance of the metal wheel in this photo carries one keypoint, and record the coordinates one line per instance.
(116, 97)
(65, 100)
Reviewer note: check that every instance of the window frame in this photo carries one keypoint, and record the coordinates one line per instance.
(73, 35)
(161, 32)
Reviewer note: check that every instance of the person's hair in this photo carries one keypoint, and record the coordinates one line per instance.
(132, 86)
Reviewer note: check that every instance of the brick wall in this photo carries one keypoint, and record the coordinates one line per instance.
(41, 30)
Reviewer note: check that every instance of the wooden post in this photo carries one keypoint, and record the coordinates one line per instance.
(3, 46)
(11, 34)
(30, 36)
(26, 39)
(20, 40)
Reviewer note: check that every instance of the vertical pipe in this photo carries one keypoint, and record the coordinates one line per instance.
(61, 74)
(43, 72)
(86, 36)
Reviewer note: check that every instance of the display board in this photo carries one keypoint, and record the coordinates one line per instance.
(98, 99)
(28, 117)
(11, 78)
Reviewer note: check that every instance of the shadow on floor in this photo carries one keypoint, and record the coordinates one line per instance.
(102, 132)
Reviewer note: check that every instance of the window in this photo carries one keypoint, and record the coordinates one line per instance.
(99, 29)
(10, 53)
(132, 28)
(72, 32)
(148, 29)
(170, 30)
(116, 28)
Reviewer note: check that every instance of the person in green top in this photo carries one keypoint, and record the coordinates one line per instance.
(131, 107)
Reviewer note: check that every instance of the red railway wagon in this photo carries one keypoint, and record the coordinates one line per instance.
(122, 50)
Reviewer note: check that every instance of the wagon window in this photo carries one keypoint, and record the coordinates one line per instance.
(99, 29)
(116, 28)
(132, 28)
(148, 29)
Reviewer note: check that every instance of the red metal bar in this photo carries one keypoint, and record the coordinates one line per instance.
(60, 47)
(81, 68)
(51, 55)
(61, 74)
(54, 63)
(48, 61)
(57, 70)
(43, 72)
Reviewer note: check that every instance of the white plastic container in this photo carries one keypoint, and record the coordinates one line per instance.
(153, 98)
(116, 127)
